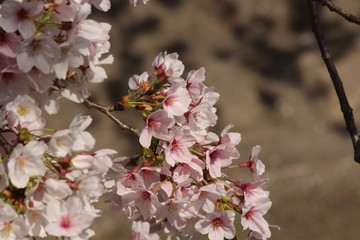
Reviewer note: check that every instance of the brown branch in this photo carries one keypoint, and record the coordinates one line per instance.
(344, 104)
(106, 110)
(332, 7)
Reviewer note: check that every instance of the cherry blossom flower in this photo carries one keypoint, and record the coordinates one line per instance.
(25, 162)
(200, 118)
(253, 190)
(256, 166)
(12, 226)
(67, 218)
(61, 143)
(168, 64)
(17, 16)
(90, 186)
(57, 189)
(157, 125)
(177, 150)
(252, 216)
(218, 225)
(207, 196)
(146, 201)
(83, 141)
(152, 175)
(194, 83)
(177, 101)
(71, 56)
(175, 211)
(35, 218)
(218, 157)
(102, 161)
(39, 51)
(193, 169)
(24, 108)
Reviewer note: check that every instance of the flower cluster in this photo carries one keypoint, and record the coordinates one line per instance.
(48, 178)
(177, 183)
(49, 49)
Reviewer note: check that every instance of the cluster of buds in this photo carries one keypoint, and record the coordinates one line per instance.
(49, 179)
(177, 182)
(49, 50)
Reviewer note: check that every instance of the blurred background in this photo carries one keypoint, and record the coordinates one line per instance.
(261, 56)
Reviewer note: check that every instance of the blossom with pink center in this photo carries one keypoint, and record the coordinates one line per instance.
(193, 169)
(207, 196)
(70, 56)
(168, 64)
(176, 211)
(218, 157)
(39, 51)
(17, 16)
(152, 174)
(67, 218)
(256, 166)
(157, 125)
(141, 231)
(253, 190)
(25, 162)
(126, 179)
(185, 190)
(177, 150)
(218, 225)
(144, 200)
(252, 216)
(177, 101)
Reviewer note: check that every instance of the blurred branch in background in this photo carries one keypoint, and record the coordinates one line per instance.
(344, 103)
(349, 17)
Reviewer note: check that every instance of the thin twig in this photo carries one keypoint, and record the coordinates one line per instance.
(332, 7)
(106, 110)
(344, 104)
